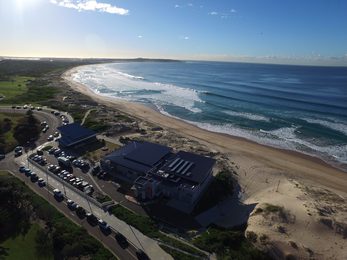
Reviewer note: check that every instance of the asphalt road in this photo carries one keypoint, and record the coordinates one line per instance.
(9, 164)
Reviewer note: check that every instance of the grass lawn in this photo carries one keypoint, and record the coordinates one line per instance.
(23, 246)
(14, 87)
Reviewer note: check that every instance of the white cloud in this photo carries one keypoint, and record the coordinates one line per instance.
(213, 13)
(186, 38)
(177, 6)
(90, 5)
(139, 36)
(232, 11)
(190, 4)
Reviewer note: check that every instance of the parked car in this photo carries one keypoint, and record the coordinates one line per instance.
(27, 172)
(52, 150)
(81, 212)
(50, 138)
(104, 227)
(22, 169)
(141, 255)
(57, 152)
(71, 157)
(92, 220)
(122, 241)
(71, 204)
(51, 167)
(34, 177)
(18, 148)
(2, 156)
(45, 129)
(41, 182)
(58, 195)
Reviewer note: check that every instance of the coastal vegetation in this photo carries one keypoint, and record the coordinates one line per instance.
(149, 228)
(228, 244)
(103, 198)
(93, 123)
(47, 232)
(17, 129)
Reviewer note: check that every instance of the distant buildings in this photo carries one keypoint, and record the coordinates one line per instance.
(154, 170)
(73, 135)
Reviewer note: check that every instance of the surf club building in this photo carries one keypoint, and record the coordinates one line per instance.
(154, 170)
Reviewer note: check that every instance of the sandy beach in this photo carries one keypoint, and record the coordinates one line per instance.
(266, 175)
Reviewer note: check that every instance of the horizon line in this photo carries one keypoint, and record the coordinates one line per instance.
(252, 60)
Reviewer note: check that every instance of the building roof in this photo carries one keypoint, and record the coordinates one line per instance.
(74, 133)
(139, 156)
(148, 153)
(190, 167)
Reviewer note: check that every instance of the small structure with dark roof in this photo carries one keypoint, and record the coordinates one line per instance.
(74, 134)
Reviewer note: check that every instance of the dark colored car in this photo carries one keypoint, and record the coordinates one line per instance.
(27, 172)
(141, 255)
(34, 177)
(92, 220)
(81, 212)
(122, 241)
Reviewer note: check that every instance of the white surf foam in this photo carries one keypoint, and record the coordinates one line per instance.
(250, 116)
(134, 88)
(337, 126)
(129, 76)
(283, 138)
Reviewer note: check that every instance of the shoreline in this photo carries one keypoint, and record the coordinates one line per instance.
(241, 150)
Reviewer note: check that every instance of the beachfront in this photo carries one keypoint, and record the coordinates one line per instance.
(266, 175)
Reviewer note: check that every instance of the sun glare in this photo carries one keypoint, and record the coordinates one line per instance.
(23, 3)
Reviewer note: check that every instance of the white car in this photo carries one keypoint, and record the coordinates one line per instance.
(50, 138)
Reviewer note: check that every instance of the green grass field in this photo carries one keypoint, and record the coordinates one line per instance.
(14, 87)
(23, 246)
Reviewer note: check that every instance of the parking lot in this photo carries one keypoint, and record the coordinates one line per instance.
(83, 172)
(74, 171)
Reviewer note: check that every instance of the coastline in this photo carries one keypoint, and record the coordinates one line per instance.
(241, 150)
(307, 189)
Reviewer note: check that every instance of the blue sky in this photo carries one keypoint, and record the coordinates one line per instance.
(288, 31)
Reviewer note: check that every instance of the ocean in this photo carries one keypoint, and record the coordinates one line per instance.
(299, 108)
